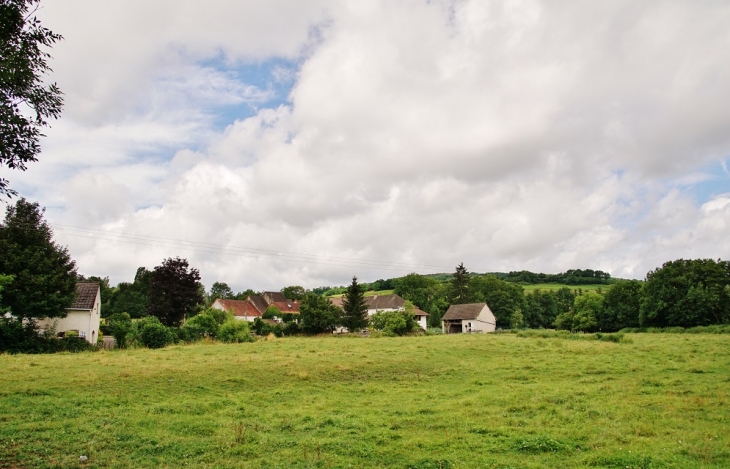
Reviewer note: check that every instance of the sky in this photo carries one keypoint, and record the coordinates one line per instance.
(302, 143)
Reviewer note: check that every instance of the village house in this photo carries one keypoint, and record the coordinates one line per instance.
(392, 302)
(83, 316)
(473, 317)
(254, 306)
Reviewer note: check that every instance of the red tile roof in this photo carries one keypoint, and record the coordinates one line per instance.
(418, 312)
(288, 307)
(239, 308)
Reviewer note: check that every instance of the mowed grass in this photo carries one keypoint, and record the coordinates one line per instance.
(558, 286)
(428, 402)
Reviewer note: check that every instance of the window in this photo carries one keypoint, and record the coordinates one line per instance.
(82, 334)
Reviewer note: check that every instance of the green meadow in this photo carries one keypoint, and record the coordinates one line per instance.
(558, 286)
(424, 402)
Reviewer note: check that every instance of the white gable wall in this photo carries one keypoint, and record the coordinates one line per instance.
(83, 320)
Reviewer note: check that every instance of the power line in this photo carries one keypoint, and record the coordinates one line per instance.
(238, 251)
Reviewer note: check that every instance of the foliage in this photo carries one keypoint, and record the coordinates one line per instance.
(516, 321)
(154, 334)
(131, 298)
(541, 309)
(459, 292)
(234, 331)
(44, 282)
(570, 277)
(120, 324)
(687, 293)
(24, 337)
(174, 291)
(393, 322)
(621, 305)
(271, 312)
(503, 298)
(200, 326)
(586, 309)
(318, 314)
(294, 292)
(219, 290)
(264, 328)
(354, 308)
(26, 101)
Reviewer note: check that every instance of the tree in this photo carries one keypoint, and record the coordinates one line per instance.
(174, 291)
(516, 321)
(354, 307)
(503, 298)
(687, 293)
(22, 89)
(45, 275)
(459, 293)
(318, 314)
(294, 292)
(120, 324)
(586, 309)
(621, 305)
(219, 290)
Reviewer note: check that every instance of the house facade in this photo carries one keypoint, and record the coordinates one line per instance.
(393, 302)
(84, 315)
(473, 317)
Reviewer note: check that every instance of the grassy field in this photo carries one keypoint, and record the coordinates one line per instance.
(558, 286)
(428, 402)
(369, 293)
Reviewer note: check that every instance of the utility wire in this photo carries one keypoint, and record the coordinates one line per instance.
(238, 251)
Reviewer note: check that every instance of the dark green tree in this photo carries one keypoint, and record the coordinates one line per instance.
(621, 305)
(174, 291)
(459, 292)
(318, 314)
(542, 309)
(687, 293)
(23, 65)
(44, 283)
(294, 292)
(354, 308)
(219, 290)
(503, 298)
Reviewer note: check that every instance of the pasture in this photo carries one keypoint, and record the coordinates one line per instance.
(427, 402)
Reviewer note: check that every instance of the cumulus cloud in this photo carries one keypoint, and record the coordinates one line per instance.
(515, 134)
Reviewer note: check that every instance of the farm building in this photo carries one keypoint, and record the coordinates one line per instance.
(473, 317)
(392, 302)
(83, 317)
(255, 305)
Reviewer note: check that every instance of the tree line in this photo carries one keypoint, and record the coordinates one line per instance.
(38, 278)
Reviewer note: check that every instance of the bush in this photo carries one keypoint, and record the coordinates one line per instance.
(197, 327)
(263, 328)
(234, 331)
(16, 337)
(153, 334)
(119, 325)
(393, 322)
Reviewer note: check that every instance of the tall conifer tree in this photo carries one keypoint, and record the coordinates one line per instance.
(355, 308)
(44, 283)
(459, 293)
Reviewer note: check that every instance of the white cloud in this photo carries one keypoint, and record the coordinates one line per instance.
(508, 135)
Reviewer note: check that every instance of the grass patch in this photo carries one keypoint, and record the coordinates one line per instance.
(426, 402)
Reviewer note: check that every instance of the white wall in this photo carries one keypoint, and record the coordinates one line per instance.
(83, 320)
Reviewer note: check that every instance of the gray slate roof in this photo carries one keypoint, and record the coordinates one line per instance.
(85, 295)
(385, 302)
(468, 311)
(259, 303)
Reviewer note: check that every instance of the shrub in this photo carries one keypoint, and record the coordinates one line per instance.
(393, 322)
(119, 325)
(154, 334)
(234, 331)
(197, 327)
